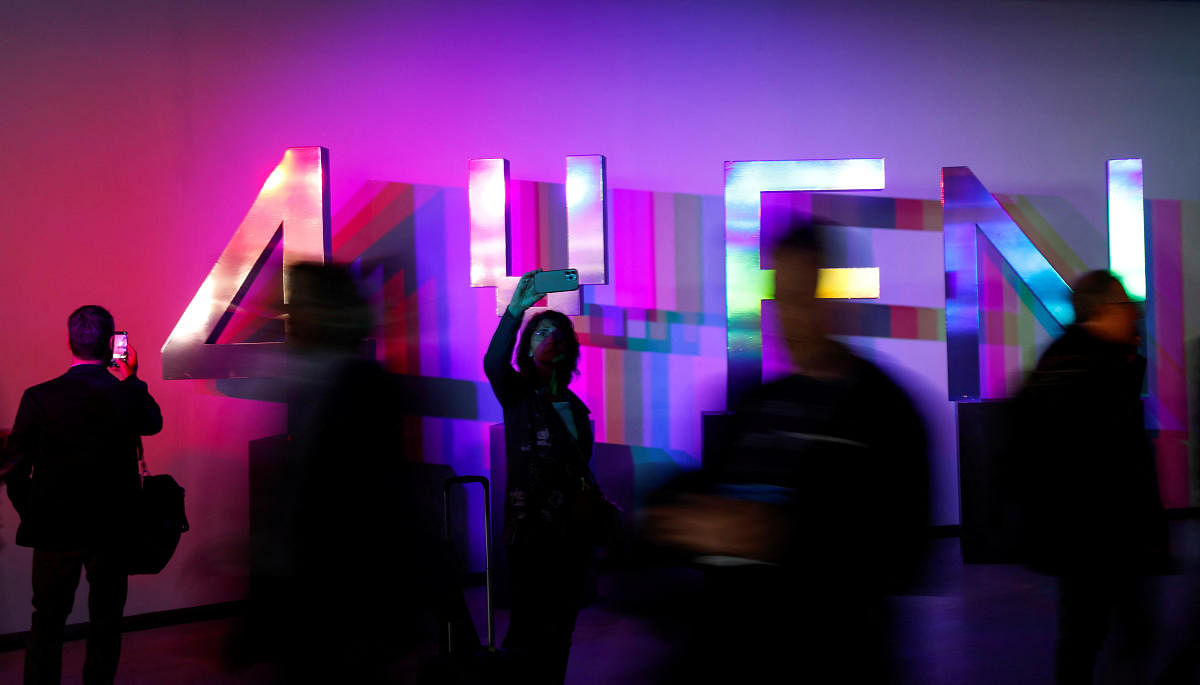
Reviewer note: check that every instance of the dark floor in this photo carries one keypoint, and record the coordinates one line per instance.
(976, 624)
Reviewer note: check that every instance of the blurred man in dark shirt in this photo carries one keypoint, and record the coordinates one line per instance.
(1092, 512)
(74, 454)
(341, 570)
(816, 509)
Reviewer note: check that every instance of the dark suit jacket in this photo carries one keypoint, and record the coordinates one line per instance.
(74, 451)
(1084, 464)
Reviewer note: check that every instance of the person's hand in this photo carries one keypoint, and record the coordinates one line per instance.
(710, 524)
(525, 296)
(125, 368)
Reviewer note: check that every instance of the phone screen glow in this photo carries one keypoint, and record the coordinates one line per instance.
(120, 345)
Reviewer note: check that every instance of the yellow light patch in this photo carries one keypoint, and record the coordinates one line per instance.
(840, 284)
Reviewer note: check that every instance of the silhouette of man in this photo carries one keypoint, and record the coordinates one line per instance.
(1092, 512)
(74, 447)
(340, 572)
(815, 511)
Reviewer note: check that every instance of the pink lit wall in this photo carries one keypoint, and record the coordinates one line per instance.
(133, 138)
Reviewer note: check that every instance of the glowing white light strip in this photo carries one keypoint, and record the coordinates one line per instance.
(1127, 225)
(586, 226)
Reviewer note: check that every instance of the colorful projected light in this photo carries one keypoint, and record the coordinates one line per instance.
(292, 206)
(848, 283)
(491, 226)
(1127, 225)
(747, 284)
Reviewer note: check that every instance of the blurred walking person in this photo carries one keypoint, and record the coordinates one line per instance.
(1092, 514)
(812, 513)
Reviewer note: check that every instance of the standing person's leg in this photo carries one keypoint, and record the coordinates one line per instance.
(108, 587)
(522, 595)
(546, 587)
(751, 628)
(1136, 620)
(1084, 609)
(570, 577)
(55, 577)
(531, 581)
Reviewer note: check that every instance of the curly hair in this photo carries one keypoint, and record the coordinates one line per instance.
(569, 366)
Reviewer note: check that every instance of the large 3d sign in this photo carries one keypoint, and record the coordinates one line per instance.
(746, 283)
(971, 214)
(491, 228)
(293, 207)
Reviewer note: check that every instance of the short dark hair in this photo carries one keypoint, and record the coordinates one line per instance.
(90, 331)
(1091, 291)
(803, 234)
(570, 361)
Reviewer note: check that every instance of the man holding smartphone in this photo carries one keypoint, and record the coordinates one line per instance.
(74, 478)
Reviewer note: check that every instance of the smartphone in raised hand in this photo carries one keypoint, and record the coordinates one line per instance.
(556, 281)
(120, 346)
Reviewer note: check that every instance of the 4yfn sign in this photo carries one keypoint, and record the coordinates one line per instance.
(293, 207)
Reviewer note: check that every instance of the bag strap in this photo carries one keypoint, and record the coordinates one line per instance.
(143, 470)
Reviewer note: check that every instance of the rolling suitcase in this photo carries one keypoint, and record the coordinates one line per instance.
(458, 664)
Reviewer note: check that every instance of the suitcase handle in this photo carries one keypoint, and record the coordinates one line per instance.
(487, 544)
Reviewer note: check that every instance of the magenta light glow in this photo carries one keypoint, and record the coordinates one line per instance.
(487, 197)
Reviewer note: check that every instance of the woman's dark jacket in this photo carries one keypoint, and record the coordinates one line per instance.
(546, 467)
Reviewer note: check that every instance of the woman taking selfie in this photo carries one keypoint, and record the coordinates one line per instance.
(552, 503)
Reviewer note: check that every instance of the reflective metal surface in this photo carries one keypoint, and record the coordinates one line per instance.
(970, 211)
(292, 206)
(587, 221)
(1127, 225)
(487, 198)
(747, 284)
(491, 226)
